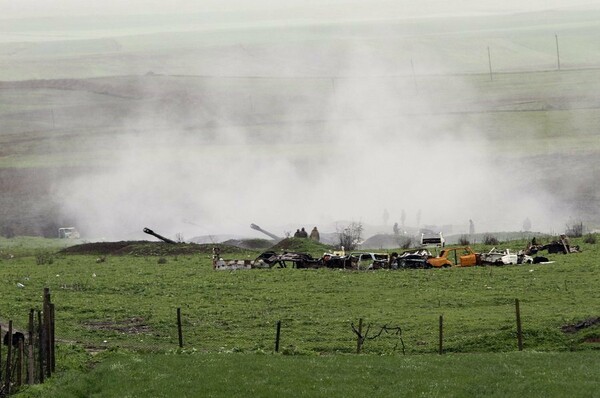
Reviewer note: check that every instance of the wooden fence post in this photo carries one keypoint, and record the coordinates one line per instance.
(20, 363)
(40, 346)
(52, 340)
(519, 329)
(8, 360)
(30, 361)
(441, 334)
(179, 329)
(277, 336)
(47, 332)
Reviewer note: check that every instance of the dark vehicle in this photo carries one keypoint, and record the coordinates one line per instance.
(414, 259)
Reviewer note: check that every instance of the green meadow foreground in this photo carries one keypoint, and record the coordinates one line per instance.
(118, 313)
(517, 374)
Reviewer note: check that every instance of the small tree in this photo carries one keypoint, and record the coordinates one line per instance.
(351, 235)
(463, 240)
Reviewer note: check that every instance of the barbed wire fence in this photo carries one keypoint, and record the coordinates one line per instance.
(30, 357)
(190, 331)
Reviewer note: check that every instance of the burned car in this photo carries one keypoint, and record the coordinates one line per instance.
(412, 259)
(366, 260)
(499, 257)
(463, 257)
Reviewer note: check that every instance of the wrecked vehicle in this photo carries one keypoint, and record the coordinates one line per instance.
(297, 260)
(560, 247)
(336, 260)
(231, 265)
(499, 257)
(412, 259)
(523, 258)
(366, 260)
(463, 257)
(219, 264)
(505, 257)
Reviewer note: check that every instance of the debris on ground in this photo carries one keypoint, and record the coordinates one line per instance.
(586, 323)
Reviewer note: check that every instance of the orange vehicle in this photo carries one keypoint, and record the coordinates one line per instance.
(463, 257)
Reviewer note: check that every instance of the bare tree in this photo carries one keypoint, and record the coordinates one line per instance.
(351, 235)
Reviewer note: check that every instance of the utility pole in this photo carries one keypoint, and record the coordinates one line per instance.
(412, 66)
(490, 63)
(557, 52)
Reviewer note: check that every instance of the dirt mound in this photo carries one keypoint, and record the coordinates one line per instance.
(386, 241)
(145, 248)
(99, 248)
(302, 245)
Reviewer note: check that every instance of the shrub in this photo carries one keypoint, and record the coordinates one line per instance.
(463, 240)
(42, 258)
(590, 238)
(491, 240)
(162, 260)
(575, 230)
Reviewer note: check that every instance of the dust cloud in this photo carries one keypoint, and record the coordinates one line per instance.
(305, 149)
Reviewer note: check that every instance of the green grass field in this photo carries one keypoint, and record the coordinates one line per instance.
(128, 304)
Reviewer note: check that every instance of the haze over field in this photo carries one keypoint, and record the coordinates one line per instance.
(302, 126)
(317, 8)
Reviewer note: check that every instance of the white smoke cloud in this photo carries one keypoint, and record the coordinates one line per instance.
(377, 141)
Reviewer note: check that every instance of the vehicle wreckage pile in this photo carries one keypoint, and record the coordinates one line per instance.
(462, 256)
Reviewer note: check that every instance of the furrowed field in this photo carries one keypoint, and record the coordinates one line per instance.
(125, 308)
